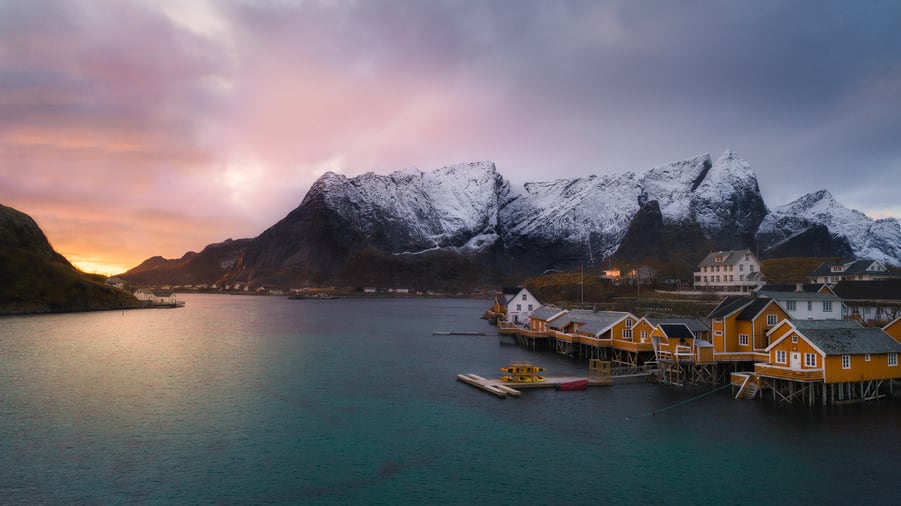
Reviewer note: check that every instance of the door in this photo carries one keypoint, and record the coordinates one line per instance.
(796, 360)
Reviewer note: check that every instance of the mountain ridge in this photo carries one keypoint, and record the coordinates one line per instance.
(469, 216)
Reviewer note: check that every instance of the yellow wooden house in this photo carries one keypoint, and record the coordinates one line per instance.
(677, 343)
(739, 326)
(830, 360)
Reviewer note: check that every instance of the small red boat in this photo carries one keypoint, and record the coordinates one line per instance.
(573, 385)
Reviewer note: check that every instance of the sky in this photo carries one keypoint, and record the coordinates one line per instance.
(130, 129)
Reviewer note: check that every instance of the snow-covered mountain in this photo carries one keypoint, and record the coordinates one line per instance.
(466, 222)
(469, 214)
(864, 236)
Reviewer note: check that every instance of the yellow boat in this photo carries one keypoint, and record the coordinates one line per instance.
(521, 368)
(523, 378)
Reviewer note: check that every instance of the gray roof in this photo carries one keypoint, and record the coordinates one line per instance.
(592, 322)
(804, 325)
(601, 322)
(731, 257)
(848, 268)
(845, 341)
(798, 295)
(545, 312)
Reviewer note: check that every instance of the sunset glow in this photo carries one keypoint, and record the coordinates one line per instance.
(130, 129)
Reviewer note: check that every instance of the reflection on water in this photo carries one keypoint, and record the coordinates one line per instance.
(264, 399)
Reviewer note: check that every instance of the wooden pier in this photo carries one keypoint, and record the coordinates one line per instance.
(503, 389)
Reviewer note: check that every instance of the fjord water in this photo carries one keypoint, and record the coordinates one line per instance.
(240, 399)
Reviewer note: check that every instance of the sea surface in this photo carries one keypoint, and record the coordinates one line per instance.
(266, 400)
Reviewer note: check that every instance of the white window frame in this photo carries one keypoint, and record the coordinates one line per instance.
(846, 361)
(810, 359)
(791, 305)
(827, 306)
(866, 358)
(893, 359)
(771, 319)
(781, 357)
(627, 334)
(743, 339)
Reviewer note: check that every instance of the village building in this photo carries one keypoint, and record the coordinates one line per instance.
(871, 302)
(857, 270)
(519, 306)
(805, 301)
(740, 325)
(729, 271)
(157, 298)
(828, 361)
(894, 329)
(116, 282)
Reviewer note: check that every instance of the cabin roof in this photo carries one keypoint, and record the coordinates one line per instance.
(887, 289)
(729, 257)
(693, 324)
(798, 287)
(676, 330)
(798, 295)
(854, 267)
(546, 312)
(602, 321)
(851, 341)
(592, 322)
(730, 305)
(752, 310)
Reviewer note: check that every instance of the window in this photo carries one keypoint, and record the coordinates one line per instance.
(530, 307)
(523, 296)
(629, 322)
(718, 333)
(741, 267)
(519, 307)
(780, 356)
(644, 335)
(892, 359)
(790, 305)
(750, 268)
(810, 305)
(827, 306)
(846, 361)
(743, 339)
(810, 360)
(627, 334)
(770, 319)
(866, 358)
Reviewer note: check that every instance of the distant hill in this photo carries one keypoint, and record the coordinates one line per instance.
(204, 268)
(36, 279)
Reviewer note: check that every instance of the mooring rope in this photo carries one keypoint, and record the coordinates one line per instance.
(680, 403)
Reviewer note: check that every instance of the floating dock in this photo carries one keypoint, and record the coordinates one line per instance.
(504, 388)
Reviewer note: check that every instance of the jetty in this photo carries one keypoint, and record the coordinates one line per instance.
(503, 389)
(599, 375)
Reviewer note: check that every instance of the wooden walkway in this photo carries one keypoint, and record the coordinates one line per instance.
(503, 388)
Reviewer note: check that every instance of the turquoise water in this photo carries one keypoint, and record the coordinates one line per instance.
(248, 400)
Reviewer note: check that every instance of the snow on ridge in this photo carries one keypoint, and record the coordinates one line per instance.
(873, 239)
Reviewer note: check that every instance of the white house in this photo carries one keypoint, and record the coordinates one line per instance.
(520, 306)
(156, 297)
(858, 270)
(805, 302)
(729, 271)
